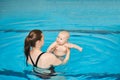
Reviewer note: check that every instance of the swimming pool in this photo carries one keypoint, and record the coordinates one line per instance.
(93, 25)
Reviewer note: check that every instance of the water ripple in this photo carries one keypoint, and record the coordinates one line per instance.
(26, 22)
(78, 31)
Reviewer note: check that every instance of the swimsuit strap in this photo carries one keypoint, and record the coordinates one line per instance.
(31, 60)
(38, 59)
(35, 65)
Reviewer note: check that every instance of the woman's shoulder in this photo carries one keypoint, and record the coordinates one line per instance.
(51, 59)
(48, 55)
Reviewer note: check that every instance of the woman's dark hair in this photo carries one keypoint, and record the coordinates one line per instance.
(30, 41)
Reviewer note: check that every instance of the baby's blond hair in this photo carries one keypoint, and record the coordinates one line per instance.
(65, 33)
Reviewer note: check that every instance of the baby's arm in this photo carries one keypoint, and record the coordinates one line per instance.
(67, 56)
(51, 47)
(70, 45)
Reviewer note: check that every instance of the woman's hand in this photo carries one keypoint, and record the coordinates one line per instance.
(67, 56)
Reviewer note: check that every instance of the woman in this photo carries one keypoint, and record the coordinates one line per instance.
(42, 62)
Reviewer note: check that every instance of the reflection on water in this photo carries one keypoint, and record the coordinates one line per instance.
(23, 74)
(88, 76)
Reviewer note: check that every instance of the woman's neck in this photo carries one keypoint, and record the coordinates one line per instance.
(35, 49)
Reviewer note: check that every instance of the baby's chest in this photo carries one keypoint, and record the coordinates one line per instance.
(61, 48)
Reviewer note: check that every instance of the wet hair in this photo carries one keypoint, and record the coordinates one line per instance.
(30, 41)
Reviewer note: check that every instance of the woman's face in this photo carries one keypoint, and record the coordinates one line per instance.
(42, 40)
(40, 43)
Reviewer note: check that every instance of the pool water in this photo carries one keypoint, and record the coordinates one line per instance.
(94, 25)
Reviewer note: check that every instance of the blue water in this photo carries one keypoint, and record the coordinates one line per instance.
(93, 25)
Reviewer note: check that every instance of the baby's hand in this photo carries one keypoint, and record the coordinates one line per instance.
(80, 49)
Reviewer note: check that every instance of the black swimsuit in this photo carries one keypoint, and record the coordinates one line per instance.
(42, 75)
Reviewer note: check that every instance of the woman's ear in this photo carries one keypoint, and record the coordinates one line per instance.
(38, 43)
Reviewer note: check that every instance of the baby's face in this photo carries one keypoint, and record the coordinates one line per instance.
(62, 39)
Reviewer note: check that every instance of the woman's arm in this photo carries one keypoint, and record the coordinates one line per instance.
(47, 60)
(54, 60)
(67, 56)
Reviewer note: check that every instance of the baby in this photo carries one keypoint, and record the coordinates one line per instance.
(61, 46)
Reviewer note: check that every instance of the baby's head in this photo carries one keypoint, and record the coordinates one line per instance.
(63, 37)
(65, 33)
